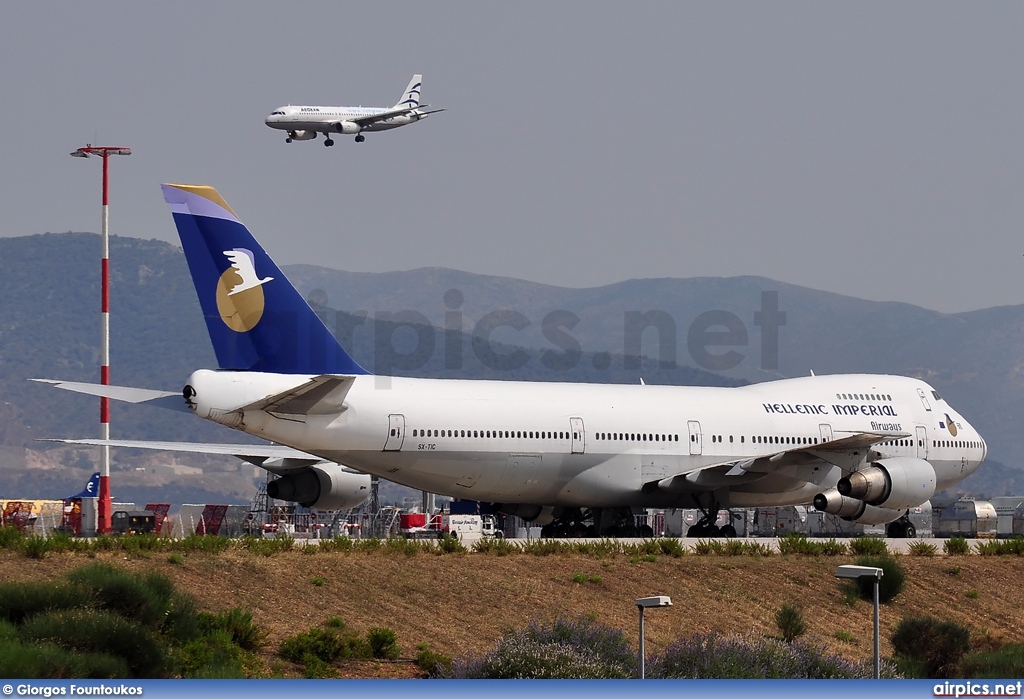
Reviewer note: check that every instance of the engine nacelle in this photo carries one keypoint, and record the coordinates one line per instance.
(326, 486)
(852, 510)
(349, 127)
(896, 483)
(302, 135)
(540, 515)
(832, 502)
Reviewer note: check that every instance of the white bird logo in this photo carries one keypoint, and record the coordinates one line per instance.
(243, 262)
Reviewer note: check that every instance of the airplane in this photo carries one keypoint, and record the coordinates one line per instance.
(304, 122)
(575, 459)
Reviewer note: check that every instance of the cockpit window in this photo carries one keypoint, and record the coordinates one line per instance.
(936, 394)
(281, 113)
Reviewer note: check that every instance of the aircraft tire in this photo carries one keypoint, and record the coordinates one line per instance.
(911, 531)
(329, 142)
(729, 531)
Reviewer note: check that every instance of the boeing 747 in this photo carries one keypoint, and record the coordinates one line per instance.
(575, 458)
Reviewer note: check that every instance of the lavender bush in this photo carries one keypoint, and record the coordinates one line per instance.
(563, 649)
(714, 656)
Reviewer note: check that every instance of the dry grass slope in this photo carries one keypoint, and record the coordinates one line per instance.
(461, 603)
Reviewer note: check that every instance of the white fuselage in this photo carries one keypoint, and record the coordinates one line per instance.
(325, 119)
(597, 445)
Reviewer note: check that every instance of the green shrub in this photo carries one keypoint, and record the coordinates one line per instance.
(49, 661)
(799, 544)
(868, 546)
(383, 642)
(212, 656)
(318, 581)
(11, 538)
(267, 547)
(316, 669)
(339, 544)
(1006, 661)
(845, 636)
(142, 598)
(408, 547)
(325, 644)
(239, 626)
(431, 662)
(495, 546)
(36, 547)
(198, 543)
(934, 646)
(790, 622)
(705, 547)
(450, 544)
(579, 578)
(176, 559)
(98, 631)
(922, 548)
(20, 601)
(891, 584)
(672, 547)
(546, 547)
(956, 546)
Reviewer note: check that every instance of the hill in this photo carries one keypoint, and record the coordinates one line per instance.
(461, 603)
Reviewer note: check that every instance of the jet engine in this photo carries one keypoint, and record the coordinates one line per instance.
(896, 483)
(326, 486)
(852, 510)
(348, 127)
(302, 135)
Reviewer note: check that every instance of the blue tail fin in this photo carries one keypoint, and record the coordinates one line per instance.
(256, 319)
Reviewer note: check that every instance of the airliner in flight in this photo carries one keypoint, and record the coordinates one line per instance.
(303, 122)
(578, 459)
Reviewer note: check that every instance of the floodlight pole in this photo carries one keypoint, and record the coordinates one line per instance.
(104, 152)
(858, 573)
(641, 604)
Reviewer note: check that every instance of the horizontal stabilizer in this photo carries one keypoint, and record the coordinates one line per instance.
(162, 399)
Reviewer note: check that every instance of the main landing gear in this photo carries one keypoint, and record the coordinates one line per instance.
(902, 528)
(706, 526)
(329, 142)
(360, 138)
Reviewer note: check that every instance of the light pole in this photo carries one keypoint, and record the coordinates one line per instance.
(856, 573)
(641, 604)
(104, 152)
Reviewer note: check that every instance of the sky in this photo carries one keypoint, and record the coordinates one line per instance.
(872, 149)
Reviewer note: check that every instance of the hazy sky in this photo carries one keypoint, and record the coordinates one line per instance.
(871, 149)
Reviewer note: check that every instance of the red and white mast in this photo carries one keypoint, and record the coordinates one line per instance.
(104, 152)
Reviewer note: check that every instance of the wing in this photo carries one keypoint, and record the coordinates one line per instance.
(384, 116)
(798, 461)
(273, 457)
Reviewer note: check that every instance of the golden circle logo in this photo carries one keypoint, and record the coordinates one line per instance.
(240, 299)
(242, 311)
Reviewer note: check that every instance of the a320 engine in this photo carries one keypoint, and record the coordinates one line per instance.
(302, 135)
(326, 486)
(348, 127)
(881, 492)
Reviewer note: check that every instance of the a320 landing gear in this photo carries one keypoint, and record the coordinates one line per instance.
(329, 142)
(360, 138)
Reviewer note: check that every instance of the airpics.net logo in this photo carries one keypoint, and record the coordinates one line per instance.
(240, 299)
(506, 340)
(978, 689)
